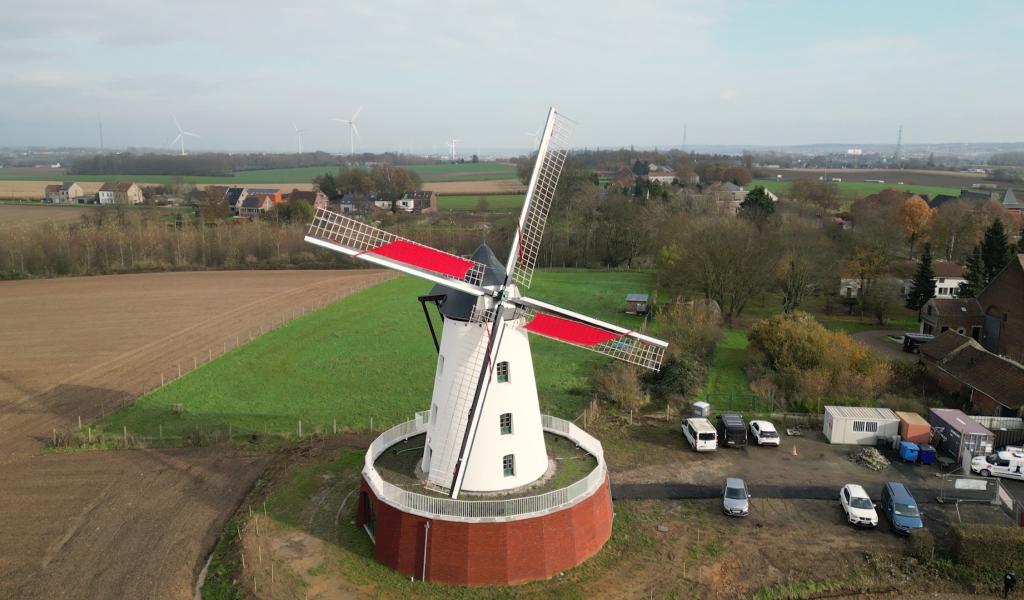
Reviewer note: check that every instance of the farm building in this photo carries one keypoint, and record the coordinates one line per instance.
(959, 433)
(636, 304)
(859, 425)
(67, 193)
(914, 428)
(120, 193)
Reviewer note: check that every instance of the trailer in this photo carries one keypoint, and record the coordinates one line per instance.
(957, 433)
(859, 425)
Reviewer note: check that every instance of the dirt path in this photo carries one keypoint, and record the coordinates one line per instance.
(126, 524)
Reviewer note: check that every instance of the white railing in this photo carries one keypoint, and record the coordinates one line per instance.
(483, 510)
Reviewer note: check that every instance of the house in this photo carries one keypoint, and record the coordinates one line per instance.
(849, 287)
(234, 196)
(960, 365)
(661, 175)
(728, 195)
(358, 202)
(255, 206)
(315, 198)
(1002, 306)
(637, 304)
(1010, 202)
(273, 194)
(422, 200)
(52, 193)
(120, 193)
(961, 315)
(68, 192)
(948, 277)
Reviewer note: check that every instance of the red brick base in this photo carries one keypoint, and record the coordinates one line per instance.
(489, 553)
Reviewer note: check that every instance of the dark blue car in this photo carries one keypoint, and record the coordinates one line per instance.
(900, 508)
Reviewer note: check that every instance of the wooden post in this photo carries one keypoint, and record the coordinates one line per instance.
(79, 421)
(55, 437)
(631, 416)
(161, 380)
(179, 369)
(195, 362)
(209, 354)
(300, 427)
(335, 426)
(271, 571)
(124, 429)
(225, 350)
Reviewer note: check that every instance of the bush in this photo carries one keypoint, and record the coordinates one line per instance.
(989, 547)
(619, 385)
(922, 545)
(808, 362)
(680, 375)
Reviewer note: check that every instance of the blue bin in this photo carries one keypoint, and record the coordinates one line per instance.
(909, 451)
(926, 454)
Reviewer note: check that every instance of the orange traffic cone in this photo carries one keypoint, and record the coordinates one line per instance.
(794, 453)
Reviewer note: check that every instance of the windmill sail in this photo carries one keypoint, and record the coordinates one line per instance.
(357, 239)
(554, 147)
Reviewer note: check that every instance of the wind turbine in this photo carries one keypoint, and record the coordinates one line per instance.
(298, 135)
(536, 136)
(181, 136)
(353, 131)
(451, 147)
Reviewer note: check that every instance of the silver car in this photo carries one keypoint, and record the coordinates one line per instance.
(735, 498)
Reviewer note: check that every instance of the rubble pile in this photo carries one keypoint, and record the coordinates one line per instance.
(870, 458)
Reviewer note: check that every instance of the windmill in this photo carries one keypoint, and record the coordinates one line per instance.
(298, 135)
(182, 134)
(353, 131)
(484, 389)
(451, 147)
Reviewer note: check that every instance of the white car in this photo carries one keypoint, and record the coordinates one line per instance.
(859, 508)
(764, 433)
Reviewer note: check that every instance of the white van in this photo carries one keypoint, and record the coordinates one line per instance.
(701, 434)
(1005, 463)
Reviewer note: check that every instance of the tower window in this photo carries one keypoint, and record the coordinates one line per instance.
(506, 423)
(503, 372)
(508, 463)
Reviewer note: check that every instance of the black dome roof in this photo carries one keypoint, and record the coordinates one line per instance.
(459, 305)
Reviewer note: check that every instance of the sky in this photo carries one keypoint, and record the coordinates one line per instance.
(628, 73)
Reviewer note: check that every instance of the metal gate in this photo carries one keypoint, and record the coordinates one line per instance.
(967, 488)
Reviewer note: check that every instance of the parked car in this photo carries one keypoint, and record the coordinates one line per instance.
(912, 342)
(700, 434)
(764, 433)
(731, 430)
(1008, 462)
(859, 508)
(735, 498)
(900, 508)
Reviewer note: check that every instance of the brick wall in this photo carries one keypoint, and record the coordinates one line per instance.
(1005, 295)
(491, 553)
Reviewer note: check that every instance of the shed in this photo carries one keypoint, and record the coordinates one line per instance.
(959, 433)
(636, 304)
(859, 425)
(914, 428)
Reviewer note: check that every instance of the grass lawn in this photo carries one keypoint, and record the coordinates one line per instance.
(366, 356)
(726, 377)
(769, 304)
(495, 203)
(862, 188)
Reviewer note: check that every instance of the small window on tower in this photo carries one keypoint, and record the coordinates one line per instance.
(503, 372)
(506, 423)
(508, 463)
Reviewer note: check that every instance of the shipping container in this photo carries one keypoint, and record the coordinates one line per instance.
(1008, 431)
(859, 425)
(914, 428)
(957, 433)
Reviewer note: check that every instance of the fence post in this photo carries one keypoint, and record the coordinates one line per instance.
(79, 421)
(209, 354)
(161, 431)
(124, 428)
(300, 427)
(335, 426)
(195, 362)
(161, 380)
(179, 369)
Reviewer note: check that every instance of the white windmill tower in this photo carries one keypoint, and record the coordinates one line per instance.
(451, 147)
(485, 432)
(182, 134)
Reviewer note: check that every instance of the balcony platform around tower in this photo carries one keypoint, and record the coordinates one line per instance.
(568, 463)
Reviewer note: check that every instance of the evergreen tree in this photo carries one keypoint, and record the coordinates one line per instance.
(757, 205)
(923, 286)
(975, 275)
(995, 250)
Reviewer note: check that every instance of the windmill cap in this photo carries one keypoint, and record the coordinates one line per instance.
(459, 305)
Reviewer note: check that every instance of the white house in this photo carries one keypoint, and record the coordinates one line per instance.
(120, 193)
(948, 277)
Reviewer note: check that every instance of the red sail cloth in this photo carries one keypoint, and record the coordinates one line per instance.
(570, 331)
(424, 258)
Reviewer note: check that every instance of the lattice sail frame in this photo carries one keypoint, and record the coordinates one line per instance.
(361, 238)
(626, 348)
(551, 157)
